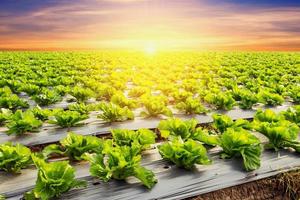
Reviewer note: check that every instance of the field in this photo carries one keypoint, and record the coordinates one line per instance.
(197, 122)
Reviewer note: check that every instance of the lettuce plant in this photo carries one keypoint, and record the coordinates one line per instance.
(22, 122)
(81, 94)
(81, 108)
(292, 114)
(138, 91)
(5, 91)
(222, 122)
(14, 85)
(62, 89)
(266, 116)
(155, 107)
(141, 137)
(239, 142)
(53, 179)
(4, 115)
(29, 89)
(294, 93)
(105, 92)
(13, 158)
(175, 127)
(120, 100)
(280, 132)
(248, 99)
(191, 106)
(46, 97)
(114, 113)
(184, 153)
(67, 119)
(74, 146)
(220, 100)
(271, 99)
(119, 163)
(41, 114)
(181, 96)
(12, 102)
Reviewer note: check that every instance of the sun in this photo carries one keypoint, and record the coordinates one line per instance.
(150, 49)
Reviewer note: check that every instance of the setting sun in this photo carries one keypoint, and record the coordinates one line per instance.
(150, 49)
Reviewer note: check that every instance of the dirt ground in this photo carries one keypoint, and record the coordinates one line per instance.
(285, 186)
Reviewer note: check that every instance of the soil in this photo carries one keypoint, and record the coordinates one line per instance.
(285, 186)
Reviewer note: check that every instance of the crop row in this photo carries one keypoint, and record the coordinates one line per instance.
(190, 82)
(184, 144)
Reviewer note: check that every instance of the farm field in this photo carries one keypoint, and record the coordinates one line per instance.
(135, 125)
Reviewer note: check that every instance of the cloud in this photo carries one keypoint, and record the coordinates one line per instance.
(179, 24)
(123, 1)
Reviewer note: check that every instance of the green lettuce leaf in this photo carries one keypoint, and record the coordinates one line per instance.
(74, 146)
(239, 142)
(54, 179)
(120, 162)
(184, 154)
(13, 158)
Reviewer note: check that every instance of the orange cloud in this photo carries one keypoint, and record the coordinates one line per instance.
(188, 24)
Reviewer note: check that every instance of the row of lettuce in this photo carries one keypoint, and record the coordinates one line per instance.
(184, 144)
(191, 82)
(31, 120)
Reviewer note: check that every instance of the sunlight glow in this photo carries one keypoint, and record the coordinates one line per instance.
(150, 49)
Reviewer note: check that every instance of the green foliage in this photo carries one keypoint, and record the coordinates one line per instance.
(247, 99)
(80, 108)
(68, 118)
(141, 137)
(29, 89)
(22, 122)
(222, 122)
(5, 91)
(181, 96)
(155, 106)
(239, 142)
(105, 92)
(177, 76)
(267, 116)
(4, 115)
(120, 100)
(138, 91)
(220, 100)
(114, 113)
(191, 106)
(80, 93)
(14, 85)
(46, 97)
(41, 114)
(53, 179)
(184, 153)
(2, 197)
(280, 132)
(119, 163)
(269, 98)
(12, 102)
(294, 93)
(74, 146)
(62, 90)
(175, 127)
(292, 114)
(13, 158)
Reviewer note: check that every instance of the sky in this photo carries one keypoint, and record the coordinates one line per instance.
(272, 25)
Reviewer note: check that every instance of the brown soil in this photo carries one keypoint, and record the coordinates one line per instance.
(285, 186)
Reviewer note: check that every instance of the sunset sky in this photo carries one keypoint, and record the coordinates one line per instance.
(136, 24)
